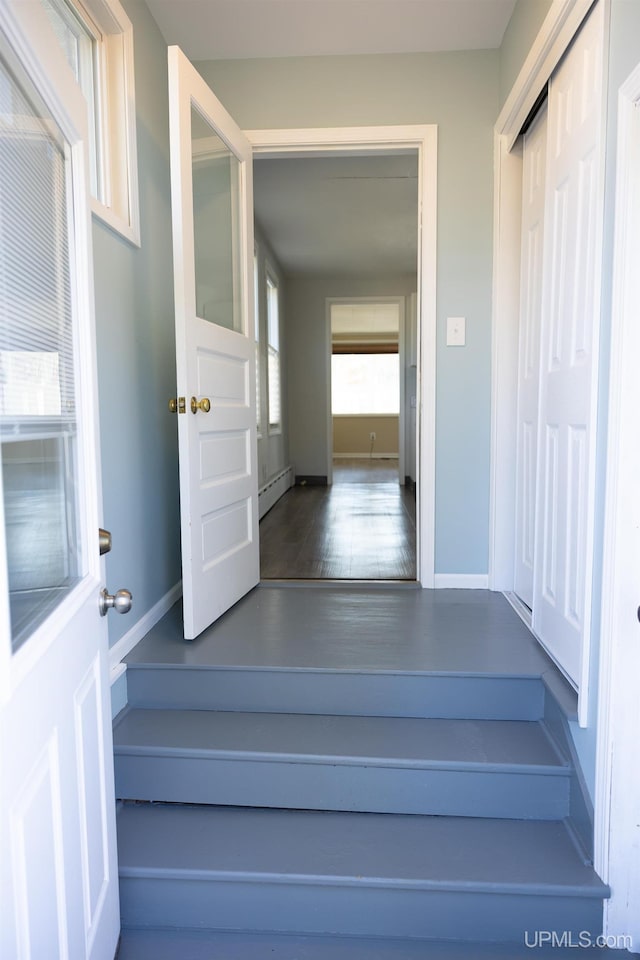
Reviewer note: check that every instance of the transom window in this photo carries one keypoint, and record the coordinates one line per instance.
(96, 39)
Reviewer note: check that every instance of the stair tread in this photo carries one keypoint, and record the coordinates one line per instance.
(394, 741)
(137, 944)
(403, 851)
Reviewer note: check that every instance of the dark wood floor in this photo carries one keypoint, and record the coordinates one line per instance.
(362, 527)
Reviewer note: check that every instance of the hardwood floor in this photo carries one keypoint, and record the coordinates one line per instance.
(361, 528)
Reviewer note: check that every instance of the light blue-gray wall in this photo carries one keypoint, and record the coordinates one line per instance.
(522, 29)
(460, 93)
(136, 357)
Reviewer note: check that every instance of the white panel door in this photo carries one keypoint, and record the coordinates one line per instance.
(569, 355)
(533, 202)
(58, 870)
(211, 190)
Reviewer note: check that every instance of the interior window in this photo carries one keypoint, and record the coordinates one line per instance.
(365, 383)
(273, 337)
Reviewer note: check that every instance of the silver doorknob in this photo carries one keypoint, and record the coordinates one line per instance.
(120, 601)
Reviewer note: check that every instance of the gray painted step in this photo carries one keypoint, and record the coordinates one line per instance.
(209, 945)
(350, 692)
(352, 873)
(385, 765)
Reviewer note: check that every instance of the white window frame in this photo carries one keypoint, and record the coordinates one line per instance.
(272, 281)
(117, 203)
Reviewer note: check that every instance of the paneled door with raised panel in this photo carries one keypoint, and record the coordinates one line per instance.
(212, 198)
(569, 355)
(58, 871)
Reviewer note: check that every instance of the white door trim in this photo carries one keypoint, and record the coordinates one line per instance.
(560, 26)
(365, 140)
(617, 788)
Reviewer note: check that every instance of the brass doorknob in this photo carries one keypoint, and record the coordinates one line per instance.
(204, 405)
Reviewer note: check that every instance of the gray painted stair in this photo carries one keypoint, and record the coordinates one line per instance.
(362, 692)
(165, 944)
(352, 873)
(483, 768)
(341, 763)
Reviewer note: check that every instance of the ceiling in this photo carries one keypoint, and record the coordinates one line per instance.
(335, 214)
(232, 29)
(339, 215)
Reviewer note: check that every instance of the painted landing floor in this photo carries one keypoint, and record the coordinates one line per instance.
(362, 629)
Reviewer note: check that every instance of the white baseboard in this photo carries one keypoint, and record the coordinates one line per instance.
(461, 581)
(140, 629)
(365, 456)
(269, 495)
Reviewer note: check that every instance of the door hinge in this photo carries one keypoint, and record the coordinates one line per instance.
(177, 405)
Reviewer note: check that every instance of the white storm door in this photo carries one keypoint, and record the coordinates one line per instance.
(569, 356)
(533, 197)
(58, 869)
(212, 198)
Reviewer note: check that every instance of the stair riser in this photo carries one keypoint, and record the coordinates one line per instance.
(352, 910)
(346, 694)
(362, 788)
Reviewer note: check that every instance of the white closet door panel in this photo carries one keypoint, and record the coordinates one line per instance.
(569, 354)
(533, 201)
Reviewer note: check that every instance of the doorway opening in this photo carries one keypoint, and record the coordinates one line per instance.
(365, 398)
(310, 287)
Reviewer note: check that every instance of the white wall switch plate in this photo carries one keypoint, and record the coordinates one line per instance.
(456, 331)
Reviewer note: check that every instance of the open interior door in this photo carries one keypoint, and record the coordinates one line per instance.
(58, 870)
(212, 200)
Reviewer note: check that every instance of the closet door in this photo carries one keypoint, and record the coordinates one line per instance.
(569, 355)
(533, 197)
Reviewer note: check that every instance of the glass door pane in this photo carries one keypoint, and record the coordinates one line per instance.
(216, 224)
(38, 432)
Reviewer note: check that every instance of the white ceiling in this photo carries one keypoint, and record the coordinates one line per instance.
(231, 29)
(339, 215)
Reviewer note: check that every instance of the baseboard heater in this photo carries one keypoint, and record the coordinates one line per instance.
(274, 489)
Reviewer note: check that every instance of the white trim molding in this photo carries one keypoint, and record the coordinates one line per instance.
(140, 629)
(556, 33)
(461, 581)
(617, 789)
(354, 141)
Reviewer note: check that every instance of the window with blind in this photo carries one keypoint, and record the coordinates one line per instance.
(273, 354)
(38, 421)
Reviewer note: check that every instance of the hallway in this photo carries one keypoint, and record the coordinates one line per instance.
(363, 527)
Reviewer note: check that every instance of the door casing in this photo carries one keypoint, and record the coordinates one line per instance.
(402, 312)
(617, 775)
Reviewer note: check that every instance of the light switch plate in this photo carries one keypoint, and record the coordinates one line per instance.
(456, 331)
